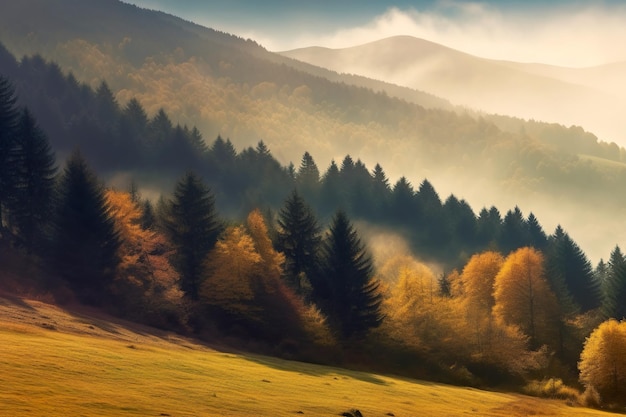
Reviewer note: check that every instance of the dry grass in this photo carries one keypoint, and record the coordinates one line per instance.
(55, 363)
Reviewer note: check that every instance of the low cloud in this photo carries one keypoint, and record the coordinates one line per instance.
(568, 36)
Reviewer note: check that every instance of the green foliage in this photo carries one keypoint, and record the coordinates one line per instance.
(30, 203)
(299, 239)
(84, 239)
(614, 286)
(192, 225)
(8, 123)
(345, 288)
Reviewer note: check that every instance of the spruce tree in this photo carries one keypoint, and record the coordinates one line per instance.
(299, 239)
(345, 289)
(84, 240)
(34, 165)
(192, 225)
(570, 273)
(614, 303)
(8, 123)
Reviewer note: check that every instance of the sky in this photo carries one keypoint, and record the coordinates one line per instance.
(572, 33)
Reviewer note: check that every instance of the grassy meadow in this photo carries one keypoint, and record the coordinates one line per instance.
(57, 363)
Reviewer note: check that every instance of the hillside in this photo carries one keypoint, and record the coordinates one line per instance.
(113, 368)
(531, 91)
(230, 86)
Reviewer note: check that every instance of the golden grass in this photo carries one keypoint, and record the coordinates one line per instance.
(53, 363)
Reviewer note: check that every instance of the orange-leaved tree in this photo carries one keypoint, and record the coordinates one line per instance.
(603, 361)
(523, 297)
(146, 284)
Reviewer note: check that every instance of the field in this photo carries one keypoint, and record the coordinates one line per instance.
(57, 363)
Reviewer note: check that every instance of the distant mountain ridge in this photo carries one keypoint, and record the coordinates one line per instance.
(233, 87)
(532, 91)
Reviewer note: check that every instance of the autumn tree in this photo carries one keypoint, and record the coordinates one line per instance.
(523, 297)
(85, 241)
(346, 289)
(146, 285)
(34, 173)
(603, 361)
(299, 237)
(192, 225)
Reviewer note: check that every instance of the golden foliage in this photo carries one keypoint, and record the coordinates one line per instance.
(231, 266)
(523, 297)
(146, 281)
(478, 278)
(603, 361)
(273, 261)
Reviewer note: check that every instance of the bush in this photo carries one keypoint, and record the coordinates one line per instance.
(552, 388)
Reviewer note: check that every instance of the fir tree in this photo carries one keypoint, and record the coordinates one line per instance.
(299, 239)
(570, 274)
(34, 164)
(614, 303)
(84, 240)
(192, 226)
(346, 290)
(8, 122)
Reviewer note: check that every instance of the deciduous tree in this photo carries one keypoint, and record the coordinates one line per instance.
(523, 297)
(603, 361)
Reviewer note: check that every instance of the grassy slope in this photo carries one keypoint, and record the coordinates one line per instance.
(56, 363)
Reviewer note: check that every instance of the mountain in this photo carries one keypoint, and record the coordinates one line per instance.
(231, 86)
(590, 97)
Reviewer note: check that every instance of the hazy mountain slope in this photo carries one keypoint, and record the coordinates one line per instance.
(230, 86)
(584, 97)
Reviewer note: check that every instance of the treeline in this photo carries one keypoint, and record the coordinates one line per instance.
(284, 280)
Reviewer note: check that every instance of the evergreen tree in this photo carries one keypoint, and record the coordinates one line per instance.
(308, 177)
(34, 164)
(299, 239)
(84, 239)
(570, 274)
(536, 236)
(488, 227)
(514, 232)
(345, 289)
(614, 303)
(192, 226)
(8, 122)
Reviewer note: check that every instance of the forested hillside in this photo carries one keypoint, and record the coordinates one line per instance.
(518, 305)
(232, 87)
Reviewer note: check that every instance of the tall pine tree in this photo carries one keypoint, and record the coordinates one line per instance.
(84, 239)
(299, 239)
(8, 123)
(346, 290)
(192, 225)
(34, 169)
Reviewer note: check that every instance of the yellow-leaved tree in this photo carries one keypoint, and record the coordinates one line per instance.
(244, 288)
(523, 297)
(416, 314)
(146, 284)
(603, 361)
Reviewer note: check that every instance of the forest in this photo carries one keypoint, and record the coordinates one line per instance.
(109, 205)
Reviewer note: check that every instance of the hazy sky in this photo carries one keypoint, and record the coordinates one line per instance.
(562, 32)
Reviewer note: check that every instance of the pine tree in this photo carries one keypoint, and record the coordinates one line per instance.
(308, 177)
(8, 122)
(346, 290)
(192, 226)
(514, 232)
(570, 274)
(34, 165)
(537, 237)
(84, 239)
(614, 303)
(299, 239)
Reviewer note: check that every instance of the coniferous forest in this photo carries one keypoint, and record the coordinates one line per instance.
(105, 204)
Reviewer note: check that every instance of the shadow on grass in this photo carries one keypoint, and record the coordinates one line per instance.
(10, 300)
(314, 369)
